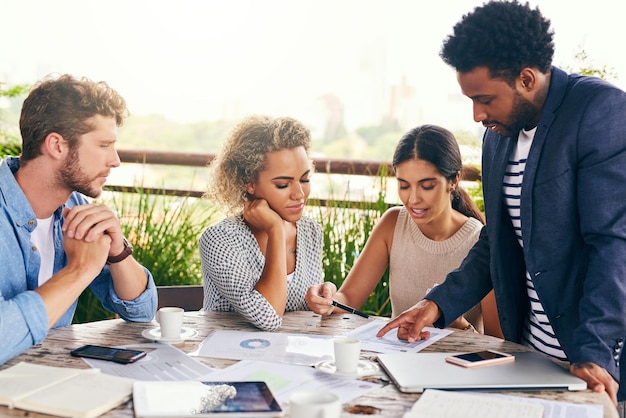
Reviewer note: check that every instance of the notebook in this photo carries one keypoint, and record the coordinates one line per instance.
(415, 372)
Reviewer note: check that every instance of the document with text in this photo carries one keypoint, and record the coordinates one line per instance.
(304, 349)
(163, 362)
(390, 343)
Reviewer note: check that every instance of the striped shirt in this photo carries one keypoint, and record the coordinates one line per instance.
(538, 332)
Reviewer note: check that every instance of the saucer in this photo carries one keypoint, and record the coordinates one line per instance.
(154, 334)
(364, 368)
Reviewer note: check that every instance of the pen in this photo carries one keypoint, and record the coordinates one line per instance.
(349, 309)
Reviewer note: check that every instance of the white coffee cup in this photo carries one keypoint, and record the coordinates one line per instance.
(347, 353)
(171, 321)
(314, 404)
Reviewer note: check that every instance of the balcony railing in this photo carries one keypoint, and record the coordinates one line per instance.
(322, 165)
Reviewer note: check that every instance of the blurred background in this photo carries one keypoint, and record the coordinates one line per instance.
(352, 70)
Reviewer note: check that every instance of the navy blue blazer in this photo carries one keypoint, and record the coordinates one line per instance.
(573, 209)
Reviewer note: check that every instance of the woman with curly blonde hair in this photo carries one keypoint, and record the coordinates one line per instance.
(262, 258)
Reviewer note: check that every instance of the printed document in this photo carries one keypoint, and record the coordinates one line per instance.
(390, 342)
(163, 362)
(304, 349)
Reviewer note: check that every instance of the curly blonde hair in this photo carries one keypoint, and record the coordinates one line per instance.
(242, 156)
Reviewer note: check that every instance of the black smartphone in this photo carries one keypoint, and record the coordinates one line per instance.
(118, 355)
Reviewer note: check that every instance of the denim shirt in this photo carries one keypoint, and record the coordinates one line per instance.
(23, 316)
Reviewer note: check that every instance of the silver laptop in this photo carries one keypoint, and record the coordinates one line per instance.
(415, 372)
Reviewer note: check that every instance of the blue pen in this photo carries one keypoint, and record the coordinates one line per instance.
(350, 309)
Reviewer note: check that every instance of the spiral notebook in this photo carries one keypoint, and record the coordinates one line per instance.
(415, 372)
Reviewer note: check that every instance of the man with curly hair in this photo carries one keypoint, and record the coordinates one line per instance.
(53, 242)
(554, 184)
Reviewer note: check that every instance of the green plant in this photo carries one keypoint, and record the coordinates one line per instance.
(9, 137)
(9, 148)
(164, 230)
(476, 193)
(585, 66)
(13, 91)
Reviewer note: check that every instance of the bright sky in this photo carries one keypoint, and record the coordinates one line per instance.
(193, 60)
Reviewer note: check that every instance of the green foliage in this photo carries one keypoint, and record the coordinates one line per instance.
(586, 67)
(464, 137)
(9, 147)
(13, 91)
(476, 193)
(90, 309)
(164, 231)
(372, 134)
(155, 132)
(9, 134)
(385, 145)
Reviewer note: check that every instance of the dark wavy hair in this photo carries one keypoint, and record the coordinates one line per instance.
(438, 146)
(503, 36)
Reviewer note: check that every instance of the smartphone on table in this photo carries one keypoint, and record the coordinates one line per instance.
(118, 355)
(480, 358)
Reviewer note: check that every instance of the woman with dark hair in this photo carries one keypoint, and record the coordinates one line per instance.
(421, 241)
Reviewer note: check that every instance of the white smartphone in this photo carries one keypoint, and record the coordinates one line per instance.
(480, 358)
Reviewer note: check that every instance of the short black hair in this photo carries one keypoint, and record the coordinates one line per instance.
(504, 36)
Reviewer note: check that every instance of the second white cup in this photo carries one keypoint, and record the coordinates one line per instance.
(347, 353)
(314, 404)
(171, 321)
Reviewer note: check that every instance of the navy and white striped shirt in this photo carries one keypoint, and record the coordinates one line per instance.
(538, 332)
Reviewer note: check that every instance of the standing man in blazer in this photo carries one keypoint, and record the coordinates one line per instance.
(554, 182)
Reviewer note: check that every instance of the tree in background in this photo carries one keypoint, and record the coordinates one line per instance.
(10, 143)
(586, 67)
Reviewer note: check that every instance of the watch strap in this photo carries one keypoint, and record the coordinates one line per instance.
(128, 250)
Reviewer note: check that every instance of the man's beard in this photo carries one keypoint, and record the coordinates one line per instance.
(522, 113)
(75, 179)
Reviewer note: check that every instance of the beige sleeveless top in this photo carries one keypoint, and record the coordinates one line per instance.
(417, 263)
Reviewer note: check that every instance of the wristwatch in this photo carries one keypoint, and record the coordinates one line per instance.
(128, 250)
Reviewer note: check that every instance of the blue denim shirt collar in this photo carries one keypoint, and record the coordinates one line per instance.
(19, 207)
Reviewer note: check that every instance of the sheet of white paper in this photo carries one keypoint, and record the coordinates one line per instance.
(390, 342)
(304, 349)
(557, 409)
(444, 404)
(163, 362)
(284, 379)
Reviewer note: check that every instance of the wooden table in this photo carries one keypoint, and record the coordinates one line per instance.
(386, 401)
